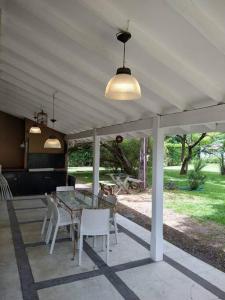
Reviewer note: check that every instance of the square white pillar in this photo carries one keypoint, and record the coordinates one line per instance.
(157, 191)
(96, 163)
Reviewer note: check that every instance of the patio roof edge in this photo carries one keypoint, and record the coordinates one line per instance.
(213, 119)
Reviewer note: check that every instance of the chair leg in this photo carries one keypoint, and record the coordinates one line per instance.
(53, 239)
(44, 224)
(94, 242)
(107, 250)
(103, 243)
(49, 231)
(80, 249)
(72, 232)
(115, 227)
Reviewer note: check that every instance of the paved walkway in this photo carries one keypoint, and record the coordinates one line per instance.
(27, 271)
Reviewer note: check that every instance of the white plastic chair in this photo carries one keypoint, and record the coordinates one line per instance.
(65, 188)
(5, 189)
(59, 217)
(47, 214)
(112, 199)
(94, 222)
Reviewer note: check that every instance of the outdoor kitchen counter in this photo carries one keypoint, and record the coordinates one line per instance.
(24, 182)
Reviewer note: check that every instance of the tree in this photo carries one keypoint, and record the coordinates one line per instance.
(142, 170)
(217, 148)
(118, 156)
(190, 142)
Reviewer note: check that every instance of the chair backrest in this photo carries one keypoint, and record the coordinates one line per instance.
(54, 210)
(65, 188)
(100, 194)
(95, 222)
(111, 199)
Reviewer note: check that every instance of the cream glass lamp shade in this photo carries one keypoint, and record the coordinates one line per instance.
(52, 142)
(123, 87)
(35, 129)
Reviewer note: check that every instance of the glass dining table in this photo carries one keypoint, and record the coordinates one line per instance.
(75, 201)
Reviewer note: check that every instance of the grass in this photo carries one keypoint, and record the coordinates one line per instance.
(205, 205)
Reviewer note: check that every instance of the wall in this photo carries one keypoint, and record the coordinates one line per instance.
(14, 131)
(11, 137)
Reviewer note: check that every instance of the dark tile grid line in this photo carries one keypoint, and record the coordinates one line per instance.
(30, 222)
(24, 268)
(28, 198)
(201, 281)
(30, 288)
(27, 208)
(195, 277)
(110, 274)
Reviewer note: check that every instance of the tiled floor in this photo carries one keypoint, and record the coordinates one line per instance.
(130, 273)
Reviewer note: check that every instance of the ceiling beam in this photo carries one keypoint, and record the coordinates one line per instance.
(76, 79)
(34, 105)
(115, 129)
(52, 18)
(155, 48)
(56, 80)
(177, 122)
(45, 101)
(28, 76)
(198, 17)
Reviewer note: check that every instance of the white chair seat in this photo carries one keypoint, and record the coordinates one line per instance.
(94, 222)
(65, 217)
(59, 217)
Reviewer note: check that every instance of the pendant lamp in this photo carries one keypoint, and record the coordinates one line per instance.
(123, 86)
(52, 141)
(35, 128)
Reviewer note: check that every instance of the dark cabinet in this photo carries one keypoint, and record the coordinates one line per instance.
(24, 183)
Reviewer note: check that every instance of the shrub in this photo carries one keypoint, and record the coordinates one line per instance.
(195, 177)
(173, 152)
(170, 185)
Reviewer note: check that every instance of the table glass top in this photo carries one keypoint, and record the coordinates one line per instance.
(77, 200)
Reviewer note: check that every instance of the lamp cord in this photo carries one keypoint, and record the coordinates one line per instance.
(124, 53)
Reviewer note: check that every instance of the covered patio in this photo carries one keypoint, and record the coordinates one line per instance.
(130, 274)
(67, 51)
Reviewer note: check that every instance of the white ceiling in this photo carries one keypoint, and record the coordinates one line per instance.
(177, 53)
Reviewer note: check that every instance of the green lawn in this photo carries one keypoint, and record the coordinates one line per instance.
(205, 205)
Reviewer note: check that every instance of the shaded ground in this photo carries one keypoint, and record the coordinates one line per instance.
(193, 220)
(211, 255)
(209, 233)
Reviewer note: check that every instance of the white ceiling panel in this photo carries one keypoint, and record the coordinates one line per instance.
(177, 53)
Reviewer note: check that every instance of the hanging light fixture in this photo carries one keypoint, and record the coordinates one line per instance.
(52, 141)
(123, 86)
(35, 128)
(42, 118)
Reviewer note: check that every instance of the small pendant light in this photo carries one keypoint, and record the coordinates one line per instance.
(123, 86)
(35, 128)
(52, 141)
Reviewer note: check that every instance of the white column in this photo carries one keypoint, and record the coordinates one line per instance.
(157, 191)
(96, 163)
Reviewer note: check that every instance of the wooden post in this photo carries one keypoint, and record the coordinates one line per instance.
(157, 191)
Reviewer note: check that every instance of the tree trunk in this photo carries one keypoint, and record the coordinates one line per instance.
(222, 167)
(142, 171)
(183, 144)
(184, 166)
(120, 157)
